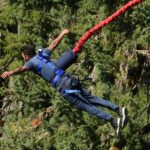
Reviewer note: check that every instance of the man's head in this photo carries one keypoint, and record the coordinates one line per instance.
(28, 51)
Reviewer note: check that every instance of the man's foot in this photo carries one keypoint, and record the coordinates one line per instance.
(116, 123)
(123, 114)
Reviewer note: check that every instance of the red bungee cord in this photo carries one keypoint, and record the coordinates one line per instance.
(97, 27)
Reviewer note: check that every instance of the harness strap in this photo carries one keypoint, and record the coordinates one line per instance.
(39, 69)
(79, 94)
(67, 91)
(58, 73)
(41, 59)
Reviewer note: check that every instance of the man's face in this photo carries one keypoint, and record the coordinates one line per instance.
(25, 57)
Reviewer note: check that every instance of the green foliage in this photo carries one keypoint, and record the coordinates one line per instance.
(39, 22)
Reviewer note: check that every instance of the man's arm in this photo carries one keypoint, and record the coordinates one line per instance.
(55, 43)
(18, 70)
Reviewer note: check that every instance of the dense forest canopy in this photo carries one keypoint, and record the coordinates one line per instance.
(117, 58)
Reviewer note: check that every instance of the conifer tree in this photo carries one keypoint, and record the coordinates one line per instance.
(110, 57)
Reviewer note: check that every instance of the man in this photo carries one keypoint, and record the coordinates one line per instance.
(68, 86)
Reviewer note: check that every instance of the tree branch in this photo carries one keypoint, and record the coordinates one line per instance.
(8, 63)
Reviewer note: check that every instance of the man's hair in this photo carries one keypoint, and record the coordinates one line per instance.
(28, 49)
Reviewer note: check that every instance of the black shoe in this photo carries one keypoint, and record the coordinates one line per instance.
(123, 114)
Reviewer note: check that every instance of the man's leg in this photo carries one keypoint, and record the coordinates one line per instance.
(94, 100)
(84, 105)
(121, 111)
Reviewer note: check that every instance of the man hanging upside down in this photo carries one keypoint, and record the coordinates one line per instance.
(69, 87)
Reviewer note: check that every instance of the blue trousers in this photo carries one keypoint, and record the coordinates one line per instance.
(89, 103)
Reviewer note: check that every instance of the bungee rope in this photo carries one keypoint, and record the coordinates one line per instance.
(97, 27)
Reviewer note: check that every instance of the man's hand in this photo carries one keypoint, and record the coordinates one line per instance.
(55, 43)
(6, 74)
(18, 70)
(66, 31)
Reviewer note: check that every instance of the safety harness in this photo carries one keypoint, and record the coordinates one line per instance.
(68, 86)
(56, 74)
